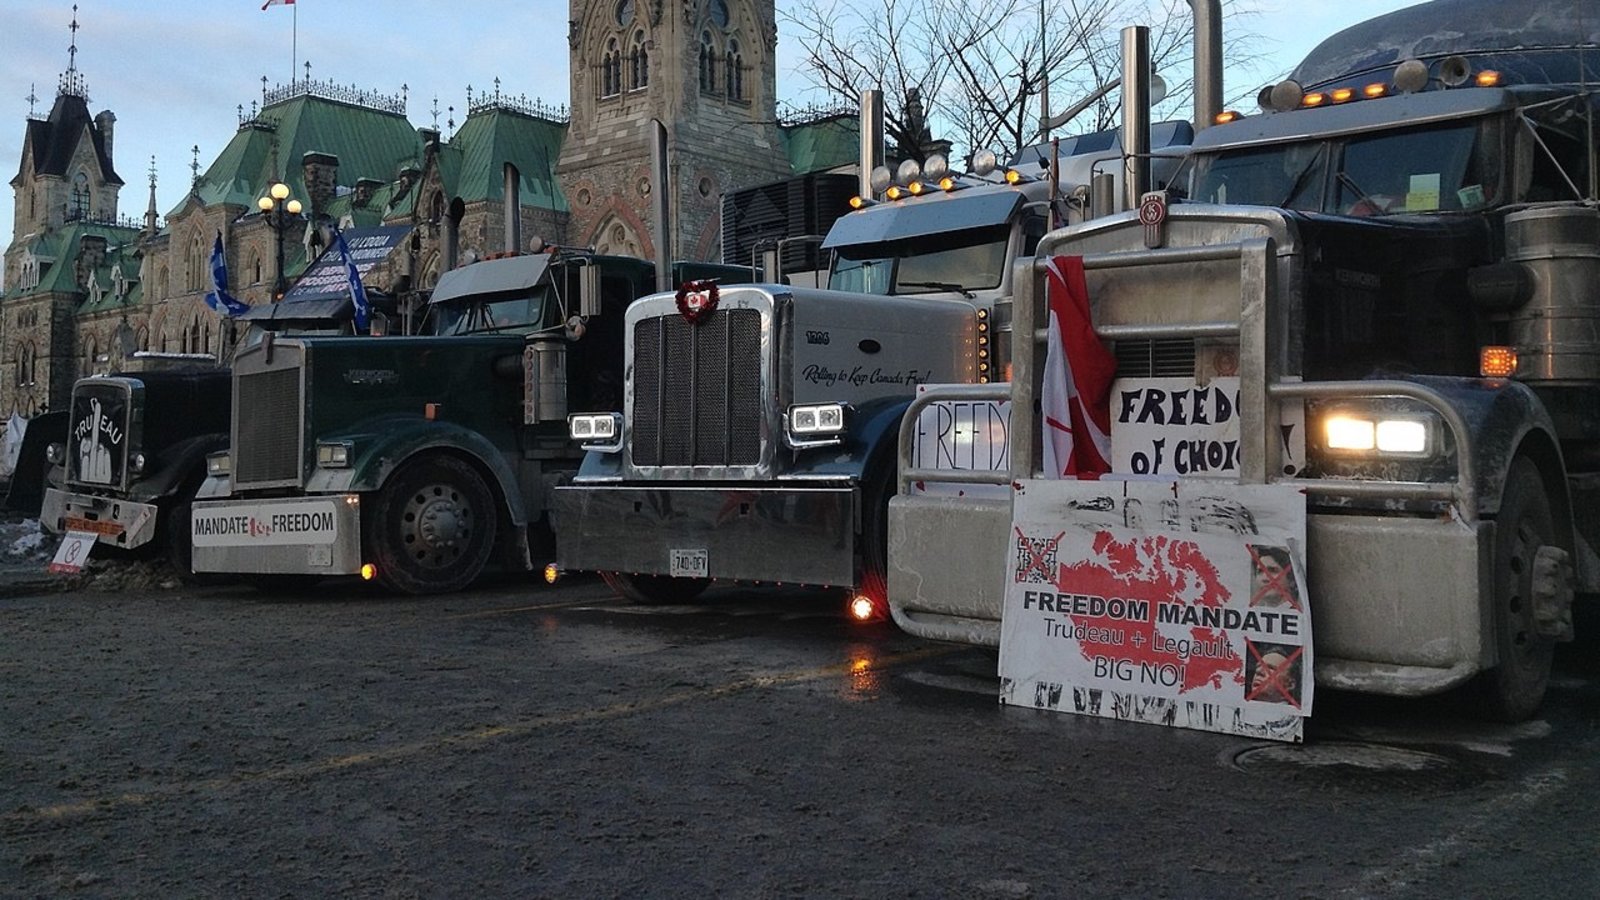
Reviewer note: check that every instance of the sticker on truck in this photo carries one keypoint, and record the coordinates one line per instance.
(265, 524)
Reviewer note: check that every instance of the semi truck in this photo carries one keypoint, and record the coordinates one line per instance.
(135, 444)
(756, 439)
(419, 461)
(1400, 250)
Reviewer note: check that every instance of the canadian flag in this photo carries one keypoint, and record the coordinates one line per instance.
(1078, 369)
(277, 2)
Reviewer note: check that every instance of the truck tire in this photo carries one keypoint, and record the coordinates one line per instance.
(1513, 689)
(433, 527)
(655, 590)
(874, 581)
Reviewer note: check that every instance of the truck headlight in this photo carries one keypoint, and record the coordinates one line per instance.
(137, 462)
(219, 463)
(1408, 435)
(333, 454)
(596, 431)
(814, 425)
(55, 454)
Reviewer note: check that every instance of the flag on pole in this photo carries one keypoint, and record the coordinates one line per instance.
(219, 299)
(1076, 396)
(358, 292)
(277, 2)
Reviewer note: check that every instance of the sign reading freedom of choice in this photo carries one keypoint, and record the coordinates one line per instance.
(1177, 603)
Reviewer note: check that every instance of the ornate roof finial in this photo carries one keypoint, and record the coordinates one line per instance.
(497, 89)
(405, 95)
(308, 71)
(450, 122)
(32, 98)
(72, 80)
(152, 171)
(263, 90)
(435, 112)
(194, 168)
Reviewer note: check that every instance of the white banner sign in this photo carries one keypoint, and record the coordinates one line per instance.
(1177, 603)
(1176, 428)
(969, 435)
(264, 524)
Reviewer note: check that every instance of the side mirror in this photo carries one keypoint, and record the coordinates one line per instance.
(589, 291)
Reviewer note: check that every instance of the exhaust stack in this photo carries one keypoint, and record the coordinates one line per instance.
(871, 139)
(1135, 114)
(1207, 61)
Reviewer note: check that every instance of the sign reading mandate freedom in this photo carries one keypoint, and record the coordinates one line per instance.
(1176, 603)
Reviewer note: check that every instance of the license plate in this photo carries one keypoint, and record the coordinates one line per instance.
(689, 563)
(111, 529)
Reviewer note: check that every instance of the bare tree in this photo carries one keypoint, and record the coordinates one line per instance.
(981, 74)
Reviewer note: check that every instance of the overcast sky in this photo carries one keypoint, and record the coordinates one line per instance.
(175, 71)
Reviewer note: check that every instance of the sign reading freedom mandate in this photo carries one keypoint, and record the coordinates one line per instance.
(1175, 603)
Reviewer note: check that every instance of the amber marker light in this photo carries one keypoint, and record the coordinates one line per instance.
(1487, 78)
(947, 183)
(1013, 176)
(1497, 361)
(1224, 117)
(1340, 95)
(857, 202)
(861, 608)
(551, 573)
(368, 571)
(1316, 99)
(1374, 91)
(916, 188)
(895, 192)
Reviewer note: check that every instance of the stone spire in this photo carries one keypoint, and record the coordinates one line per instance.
(72, 83)
(150, 214)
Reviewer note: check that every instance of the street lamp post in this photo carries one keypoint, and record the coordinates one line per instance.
(279, 211)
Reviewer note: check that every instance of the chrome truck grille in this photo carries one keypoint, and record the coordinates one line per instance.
(103, 415)
(267, 429)
(697, 390)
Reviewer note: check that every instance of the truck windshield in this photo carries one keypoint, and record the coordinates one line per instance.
(1442, 167)
(476, 315)
(961, 261)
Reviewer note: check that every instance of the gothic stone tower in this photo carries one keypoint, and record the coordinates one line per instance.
(707, 70)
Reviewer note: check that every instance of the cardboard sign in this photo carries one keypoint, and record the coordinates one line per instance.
(1177, 428)
(73, 553)
(1176, 603)
(969, 435)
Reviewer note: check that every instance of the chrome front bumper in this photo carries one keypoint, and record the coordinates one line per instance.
(1399, 605)
(318, 535)
(793, 535)
(114, 522)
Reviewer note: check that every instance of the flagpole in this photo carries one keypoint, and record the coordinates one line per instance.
(294, 44)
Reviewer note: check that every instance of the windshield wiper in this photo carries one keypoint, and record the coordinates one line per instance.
(1361, 196)
(940, 286)
(1304, 176)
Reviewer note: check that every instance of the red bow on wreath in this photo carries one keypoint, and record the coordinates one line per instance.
(697, 300)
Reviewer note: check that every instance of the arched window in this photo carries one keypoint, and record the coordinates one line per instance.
(254, 268)
(611, 70)
(735, 72)
(79, 208)
(638, 63)
(717, 10)
(708, 64)
(195, 277)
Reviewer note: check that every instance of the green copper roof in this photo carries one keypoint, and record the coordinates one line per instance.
(823, 144)
(495, 135)
(61, 249)
(367, 142)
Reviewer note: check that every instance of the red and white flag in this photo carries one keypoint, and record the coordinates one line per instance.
(1076, 397)
(277, 2)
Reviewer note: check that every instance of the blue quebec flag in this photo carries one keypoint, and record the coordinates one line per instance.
(358, 292)
(219, 299)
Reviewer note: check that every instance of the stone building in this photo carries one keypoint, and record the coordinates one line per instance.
(86, 287)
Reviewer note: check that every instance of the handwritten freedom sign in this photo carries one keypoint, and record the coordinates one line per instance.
(1174, 603)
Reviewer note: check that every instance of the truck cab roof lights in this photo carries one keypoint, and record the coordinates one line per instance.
(895, 192)
(916, 188)
(860, 202)
(910, 170)
(1315, 98)
(1374, 91)
(880, 179)
(948, 183)
(1281, 97)
(1411, 76)
(984, 162)
(936, 167)
(1226, 116)
(1486, 78)
(1342, 95)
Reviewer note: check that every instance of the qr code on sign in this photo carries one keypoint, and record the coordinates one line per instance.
(1036, 559)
